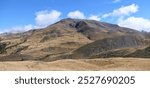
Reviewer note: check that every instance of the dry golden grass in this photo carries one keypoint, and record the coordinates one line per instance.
(111, 64)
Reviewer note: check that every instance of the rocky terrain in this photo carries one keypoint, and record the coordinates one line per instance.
(74, 39)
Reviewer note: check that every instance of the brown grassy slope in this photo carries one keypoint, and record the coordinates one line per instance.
(96, 30)
(113, 64)
(109, 45)
(59, 40)
(145, 53)
(40, 43)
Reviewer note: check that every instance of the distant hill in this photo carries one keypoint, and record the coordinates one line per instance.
(73, 38)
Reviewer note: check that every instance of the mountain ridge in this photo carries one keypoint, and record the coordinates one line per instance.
(64, 39)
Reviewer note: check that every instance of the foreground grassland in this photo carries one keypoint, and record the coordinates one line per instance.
(110, 64)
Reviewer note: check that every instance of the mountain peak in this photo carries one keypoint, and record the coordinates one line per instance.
(59, 40)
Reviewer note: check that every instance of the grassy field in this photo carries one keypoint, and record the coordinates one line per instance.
(111, 64)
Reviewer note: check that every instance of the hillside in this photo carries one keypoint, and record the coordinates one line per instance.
(144, 52)
(72, 39)
(111, 47)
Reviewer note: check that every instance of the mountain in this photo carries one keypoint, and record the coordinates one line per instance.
(95, 30)
(72, 38)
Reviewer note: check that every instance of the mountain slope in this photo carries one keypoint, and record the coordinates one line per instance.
(70, 38)
(102, 47)
(145, 53)
(95, 30)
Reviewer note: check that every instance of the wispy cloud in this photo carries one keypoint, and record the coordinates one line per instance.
(138, 23)
(124, 18)
(42, 19)
(123, 11)
(116, 1)
(18, 29)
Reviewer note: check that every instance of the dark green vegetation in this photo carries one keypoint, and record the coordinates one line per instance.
(2, 47)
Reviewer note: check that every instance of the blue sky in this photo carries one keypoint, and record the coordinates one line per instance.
(23, 15)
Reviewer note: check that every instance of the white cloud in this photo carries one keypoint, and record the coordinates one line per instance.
(18, 29)
(42, 19)
(80, 15)
(124, 18)
(115, 1)
(76, 14)
(94, 17)
(22, 28)
(45, 18)
(123, 11)
(138, 23)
